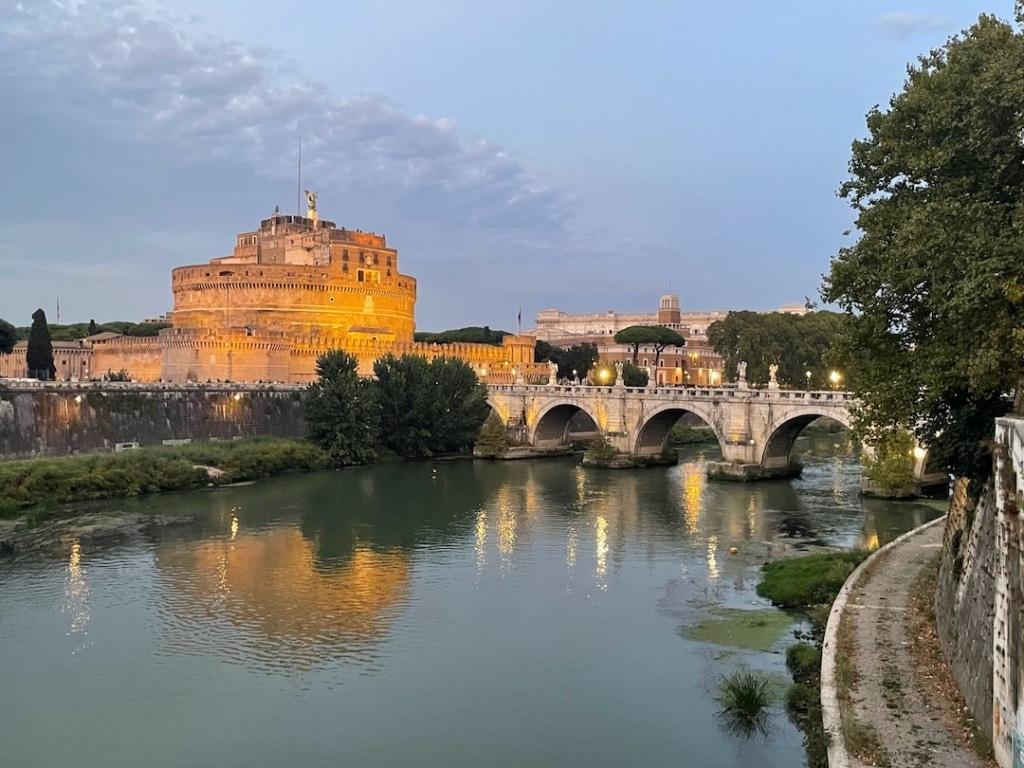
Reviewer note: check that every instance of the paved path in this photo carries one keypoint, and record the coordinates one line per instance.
(913, 726)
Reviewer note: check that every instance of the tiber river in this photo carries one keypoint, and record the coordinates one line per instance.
(529, 613)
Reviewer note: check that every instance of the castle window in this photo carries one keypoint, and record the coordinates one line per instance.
(344, 255)
(359, 275)
(344, 267)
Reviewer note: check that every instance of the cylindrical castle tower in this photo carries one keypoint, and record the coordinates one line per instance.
(300, 278)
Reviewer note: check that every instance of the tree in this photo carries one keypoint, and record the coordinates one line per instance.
(934, 286)
(8, 337)
(473, 333)
(656, 336)
(428, 408)
(93, 330)
(408, 412)
(579, 358)
(891, 468)
(341, 410)
(493, 439)
(796, 343)
(39, 355)
(461, 404)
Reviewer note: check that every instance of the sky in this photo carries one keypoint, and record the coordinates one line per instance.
(543, 153)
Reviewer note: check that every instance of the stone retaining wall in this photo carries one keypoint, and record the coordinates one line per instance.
(980, 596)
(58, 420)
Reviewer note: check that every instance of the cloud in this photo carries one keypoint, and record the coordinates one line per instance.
(903, 24)
(135, 72)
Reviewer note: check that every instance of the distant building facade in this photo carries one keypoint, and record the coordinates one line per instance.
(293, 289)
(696, 363)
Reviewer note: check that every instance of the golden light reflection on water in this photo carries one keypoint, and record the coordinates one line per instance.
(694, 483)
(480, 539)
(601, 551)
(507, 524)
(76, 593)
(572, 538)
(871, 541)
(713, 571)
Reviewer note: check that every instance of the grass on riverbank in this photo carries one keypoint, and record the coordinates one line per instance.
(808, 585)
(33, 482)
(802, 582)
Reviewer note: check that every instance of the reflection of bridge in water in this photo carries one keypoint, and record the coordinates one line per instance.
(756, 428)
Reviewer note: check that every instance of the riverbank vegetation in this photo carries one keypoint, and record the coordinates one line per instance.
(891, 466)
(412, 409)
(746, 697)
(808, 586)
(46, 481)
(800, 583)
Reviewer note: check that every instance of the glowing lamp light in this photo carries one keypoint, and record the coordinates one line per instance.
(604, 374)
(919, 452)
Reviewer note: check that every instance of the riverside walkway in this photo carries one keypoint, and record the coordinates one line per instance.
(900, 708)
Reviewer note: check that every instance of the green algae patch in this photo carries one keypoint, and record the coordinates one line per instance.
(751, 630)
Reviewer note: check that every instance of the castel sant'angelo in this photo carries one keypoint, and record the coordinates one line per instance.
(293, 289)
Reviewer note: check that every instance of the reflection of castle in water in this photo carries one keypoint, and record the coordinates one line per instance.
(261, 598)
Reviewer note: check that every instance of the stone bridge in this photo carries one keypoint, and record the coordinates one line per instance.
(756, 428)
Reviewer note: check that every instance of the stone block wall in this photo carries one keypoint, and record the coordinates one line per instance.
(980, 597)
(58, 420)
(1007, 655)
(964, 603)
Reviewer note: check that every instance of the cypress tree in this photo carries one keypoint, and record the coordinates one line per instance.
(93, 330)
(39, 356)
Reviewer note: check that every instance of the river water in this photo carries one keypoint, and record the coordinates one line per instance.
(530, 613)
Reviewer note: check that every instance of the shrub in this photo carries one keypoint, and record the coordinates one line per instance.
(891, 468)
(493, 440)
(803, 661)
(601, 450)
(745, 697)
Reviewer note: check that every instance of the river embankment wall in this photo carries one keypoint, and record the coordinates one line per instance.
(57, 419)
(979, 605)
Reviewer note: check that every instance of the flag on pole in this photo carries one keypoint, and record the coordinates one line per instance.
(519, 317)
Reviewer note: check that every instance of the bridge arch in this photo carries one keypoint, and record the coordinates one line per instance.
(653, 430)
(776, 452)
(555, 421)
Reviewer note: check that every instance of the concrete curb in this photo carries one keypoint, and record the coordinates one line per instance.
(838, 757)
